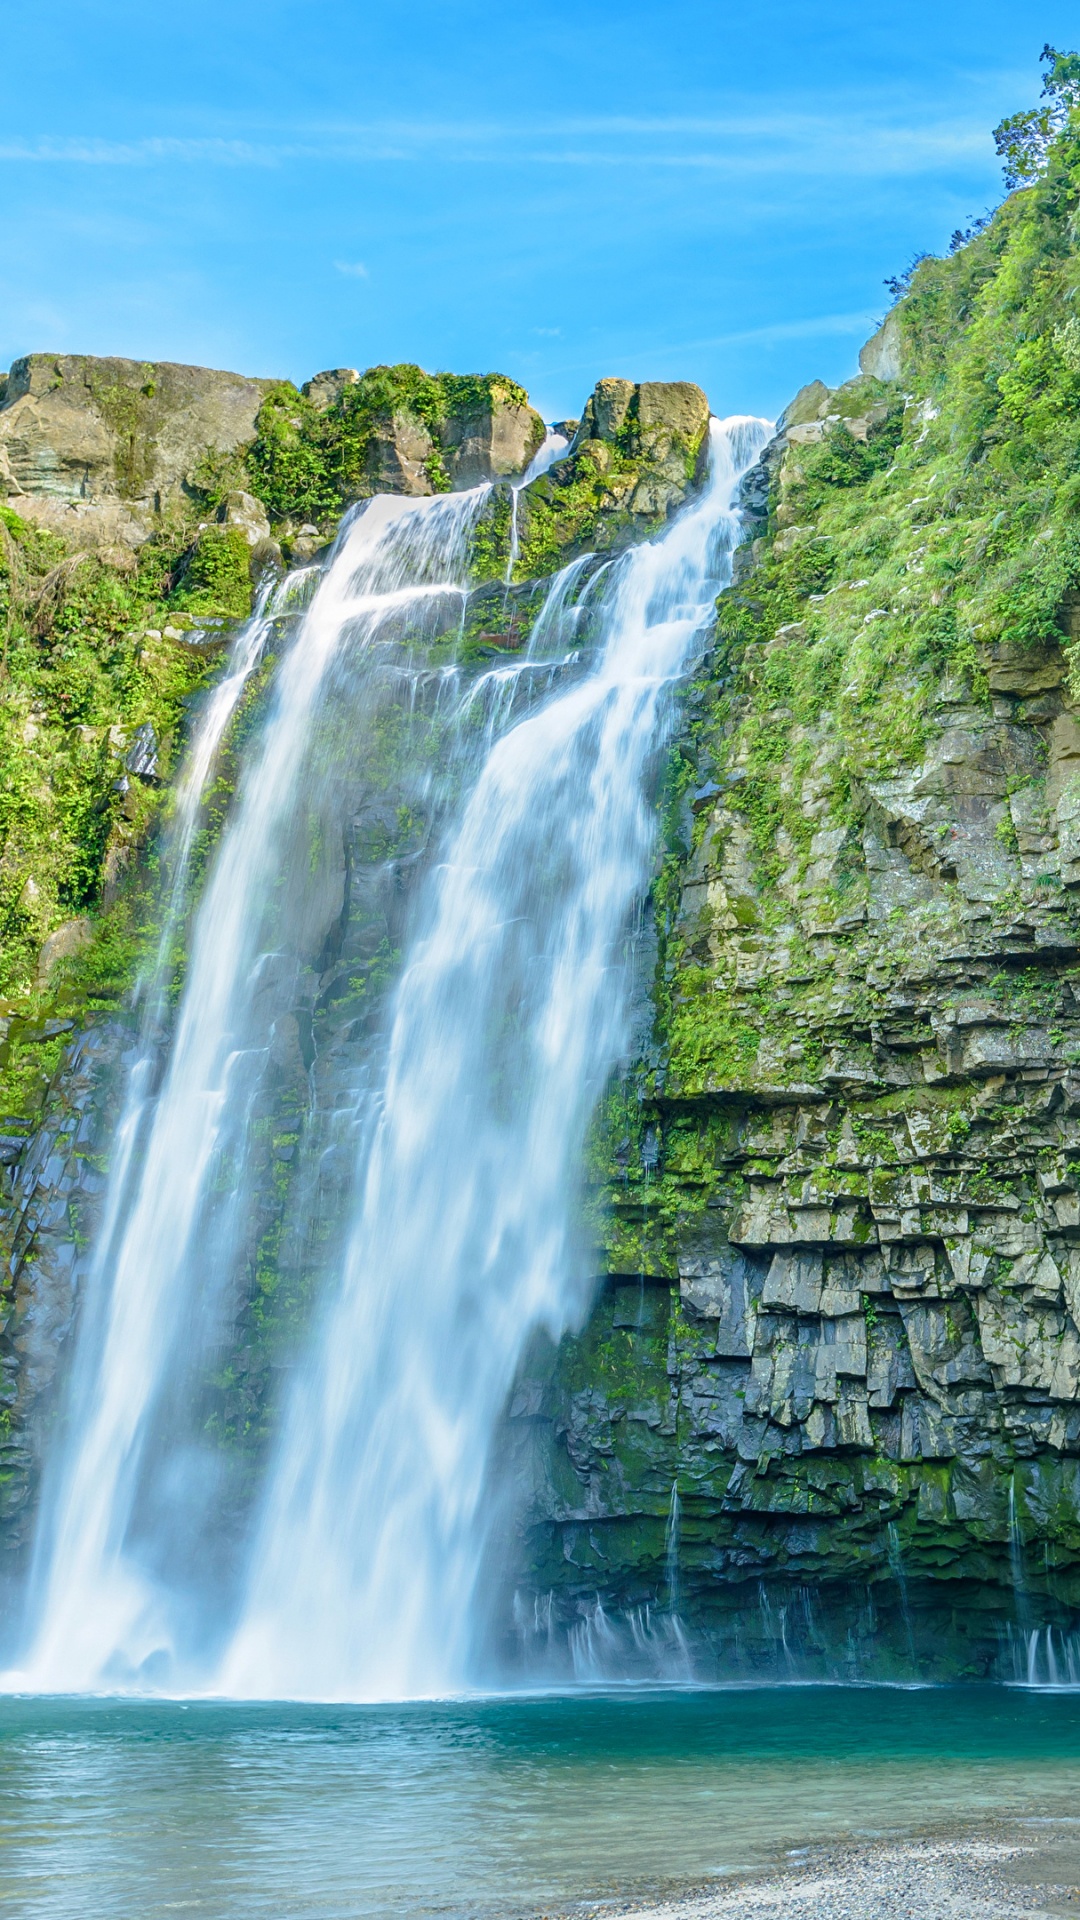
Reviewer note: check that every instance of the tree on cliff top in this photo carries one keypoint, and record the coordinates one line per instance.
(1024, 139)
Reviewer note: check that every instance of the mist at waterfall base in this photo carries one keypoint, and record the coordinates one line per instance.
(353, 1569)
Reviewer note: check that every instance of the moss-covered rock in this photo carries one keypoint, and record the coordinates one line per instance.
(850, 1159)
(97, 448)
(635, 456)
(392, 429)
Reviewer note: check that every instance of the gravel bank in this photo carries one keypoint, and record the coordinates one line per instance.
(1027, 1874)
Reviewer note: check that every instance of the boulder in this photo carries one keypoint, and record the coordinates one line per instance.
(810, 403)
(400, 455)
(607, 408)
(62, 944)
(883, 354)
(142, 758)
(491, 441)
(96, 447)
(672, 406)
(659, 416)
(324, 388)
(242, 510)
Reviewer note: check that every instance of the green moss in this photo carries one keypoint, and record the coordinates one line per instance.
(217, 576)
(78, 675)
(583, 505)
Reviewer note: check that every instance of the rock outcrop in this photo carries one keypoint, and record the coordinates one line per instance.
(492, 440)
(95, 448)
(635, 455)
(100, 449)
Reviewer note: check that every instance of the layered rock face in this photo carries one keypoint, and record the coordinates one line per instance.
(844, 1283)
(838, 1332)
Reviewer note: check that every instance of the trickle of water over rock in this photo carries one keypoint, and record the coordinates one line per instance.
(509, 1016)
(553, 448)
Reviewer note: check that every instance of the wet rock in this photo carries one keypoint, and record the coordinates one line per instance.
(142, 756)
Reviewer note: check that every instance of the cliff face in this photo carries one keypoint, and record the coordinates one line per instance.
(842, 1186)
(827, 1406)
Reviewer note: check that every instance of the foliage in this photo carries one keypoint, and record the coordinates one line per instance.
(309, 463)
(922, 531)
(80, 672)
(217, 574)
(1024, 140)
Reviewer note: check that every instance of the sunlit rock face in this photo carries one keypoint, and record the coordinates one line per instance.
(97, 446)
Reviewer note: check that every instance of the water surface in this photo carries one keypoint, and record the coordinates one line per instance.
(493, 1806)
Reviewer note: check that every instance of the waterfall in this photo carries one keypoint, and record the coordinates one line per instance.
(124, 1554)
(671, 1550)
(553, 448)
(895, 1557)
(509, 1015)
(1016, 1564)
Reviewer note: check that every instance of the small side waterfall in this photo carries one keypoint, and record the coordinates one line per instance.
(1016, 1564)
(123, 1562)
(508, 1018)
(899, 1573)
(671, 1550)
(553, 448)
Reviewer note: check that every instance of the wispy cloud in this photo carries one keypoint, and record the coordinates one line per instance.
(352, 269)
(849, 139)
(53, 151)
(823, 326)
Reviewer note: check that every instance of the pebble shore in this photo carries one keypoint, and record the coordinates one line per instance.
(925, 1879)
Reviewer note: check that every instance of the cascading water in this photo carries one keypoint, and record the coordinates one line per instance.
(123, 1556)
(509, 1016)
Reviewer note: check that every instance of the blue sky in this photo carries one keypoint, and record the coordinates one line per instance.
(560, 190)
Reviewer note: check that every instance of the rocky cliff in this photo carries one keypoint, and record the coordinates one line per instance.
(840, 1192)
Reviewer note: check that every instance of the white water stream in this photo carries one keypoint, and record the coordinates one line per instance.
(508, 1017)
